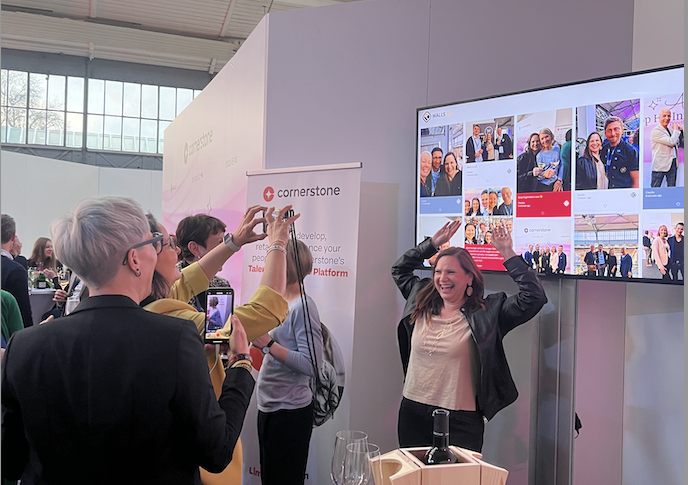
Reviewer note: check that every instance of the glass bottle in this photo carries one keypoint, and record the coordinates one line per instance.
(440, 454)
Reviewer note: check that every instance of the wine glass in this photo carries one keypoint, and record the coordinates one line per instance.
(554, 163)
(375, 465)
(358, 468)
(541, 165)
(341, 440)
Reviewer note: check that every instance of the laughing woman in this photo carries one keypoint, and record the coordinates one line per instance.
(459, 334)
(449, 182)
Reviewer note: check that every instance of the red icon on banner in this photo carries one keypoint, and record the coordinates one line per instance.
(268, 194)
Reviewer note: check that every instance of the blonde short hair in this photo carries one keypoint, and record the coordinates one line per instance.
(295, 246)
(95, 238)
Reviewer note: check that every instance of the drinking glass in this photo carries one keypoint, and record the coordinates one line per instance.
(541, 164)
(357, 463)
(375, 465)
(554, 163)
(341, 440)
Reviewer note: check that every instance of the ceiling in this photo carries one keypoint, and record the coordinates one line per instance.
(188, 34)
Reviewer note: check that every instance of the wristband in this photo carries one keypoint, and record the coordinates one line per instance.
(278, 242)
(241, 363)
(229, 242)
(241, 357)
(276, 248)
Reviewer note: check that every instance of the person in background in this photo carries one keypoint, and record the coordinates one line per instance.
(469, 231)
(509, 225)
(545, 260)
(474, 146)
(554, 261)
(459, 331)
(488, 237)
(467, 207)
(172, 289)
(620, 157)
(504, 145)
(15, 278)
(488, 148)
(664, 150)
(634, 139)
(611, 264)
(492, 203)
(526, 165)
(43, 258)
(549, 157)
(626, 264)
(449, 182)
(660, 250)
(506, 208)
(676, 252)
(197, 235)
(128, 391)
(435, 171)
(561, 260)
(475, 207)
(215, 317)
(647, 246)
(16, 253)
(11, 316)
(528, 256)
(601, 261)
(536, 258)
(589, 262)
(590, 171)
(425, 168)
(292, 353)
(566, 160)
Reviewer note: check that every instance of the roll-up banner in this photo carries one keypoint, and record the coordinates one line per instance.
(328, 198)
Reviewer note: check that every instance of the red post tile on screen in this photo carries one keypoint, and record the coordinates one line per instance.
(486, 256)
(543, 204)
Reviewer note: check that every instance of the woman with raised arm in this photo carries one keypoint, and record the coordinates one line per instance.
(458, 337)
(267, 308)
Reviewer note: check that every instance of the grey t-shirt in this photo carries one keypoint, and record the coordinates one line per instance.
(286, 386)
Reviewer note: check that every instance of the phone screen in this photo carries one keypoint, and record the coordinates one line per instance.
(220, 306)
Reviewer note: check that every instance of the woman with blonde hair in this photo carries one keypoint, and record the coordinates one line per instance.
(661, 252)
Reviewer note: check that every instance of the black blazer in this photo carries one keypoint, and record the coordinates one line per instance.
(15, 279)
(470, 150)
(115, 394)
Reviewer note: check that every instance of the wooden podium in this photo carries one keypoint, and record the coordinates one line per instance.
(405, 467)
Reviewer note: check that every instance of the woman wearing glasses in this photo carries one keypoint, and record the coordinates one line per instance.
(172, 290)
(126, 389)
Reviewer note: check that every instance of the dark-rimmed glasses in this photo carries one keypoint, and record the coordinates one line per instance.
(172, 242)
(156, 241)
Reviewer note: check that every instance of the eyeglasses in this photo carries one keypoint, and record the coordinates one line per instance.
(156, 241)
(172, 242)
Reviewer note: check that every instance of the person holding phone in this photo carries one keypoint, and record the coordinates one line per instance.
(285, 401)
(267, 308)
(450, 328)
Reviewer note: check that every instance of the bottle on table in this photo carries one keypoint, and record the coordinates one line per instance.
(440, 454)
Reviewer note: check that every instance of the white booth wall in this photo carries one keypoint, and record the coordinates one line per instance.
(36, 190)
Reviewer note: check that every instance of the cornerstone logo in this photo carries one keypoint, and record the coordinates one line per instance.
(197, 145)
(268, 194)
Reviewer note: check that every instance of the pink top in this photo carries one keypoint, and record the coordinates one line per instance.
(443, 366)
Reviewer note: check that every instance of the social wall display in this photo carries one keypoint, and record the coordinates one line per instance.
(587, 177)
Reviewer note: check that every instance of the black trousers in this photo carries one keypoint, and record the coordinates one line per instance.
(283, 438)
(676, 268)
(466, 428)
(658, 177)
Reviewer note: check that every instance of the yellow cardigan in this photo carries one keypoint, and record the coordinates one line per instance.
(265, 311)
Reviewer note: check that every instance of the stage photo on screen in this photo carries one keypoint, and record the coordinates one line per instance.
(219, 310)
(606, 245)
(663, 142)
(663, 259)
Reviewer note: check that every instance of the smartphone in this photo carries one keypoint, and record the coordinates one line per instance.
(220, 304)
(290, 213)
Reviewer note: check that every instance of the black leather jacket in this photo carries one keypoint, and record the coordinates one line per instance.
(501, 314)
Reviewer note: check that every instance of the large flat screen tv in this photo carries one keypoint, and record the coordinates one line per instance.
(588, 177)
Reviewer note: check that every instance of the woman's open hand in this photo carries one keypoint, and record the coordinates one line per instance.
(445, 233)
(278, 228)
(501, 240)
(245, 233)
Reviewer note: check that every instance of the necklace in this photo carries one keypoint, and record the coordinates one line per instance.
(438, 337)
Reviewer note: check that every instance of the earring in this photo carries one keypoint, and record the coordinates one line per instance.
(137, 273)
(469, 290)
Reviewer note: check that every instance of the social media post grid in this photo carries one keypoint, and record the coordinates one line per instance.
(615, 233)
(546, 236)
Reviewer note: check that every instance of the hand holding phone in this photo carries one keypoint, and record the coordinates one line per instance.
(220, 306)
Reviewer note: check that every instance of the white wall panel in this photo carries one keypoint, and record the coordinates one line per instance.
(144, 186)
